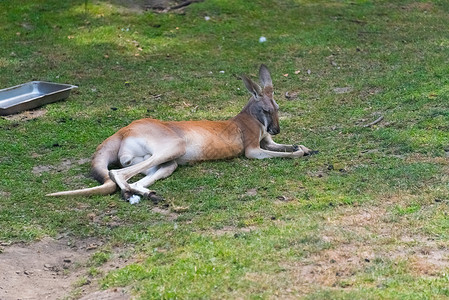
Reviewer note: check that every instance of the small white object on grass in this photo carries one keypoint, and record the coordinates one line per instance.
(262, 39)
(134, 199)
(207, 18)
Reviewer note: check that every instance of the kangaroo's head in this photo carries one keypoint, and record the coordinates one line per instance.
(262, 105)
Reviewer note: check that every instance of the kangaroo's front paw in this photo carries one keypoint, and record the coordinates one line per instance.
(306, 150)
(312, 152)
(298, 153)
(300, 150)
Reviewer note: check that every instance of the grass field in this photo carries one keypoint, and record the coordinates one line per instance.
(366, 218)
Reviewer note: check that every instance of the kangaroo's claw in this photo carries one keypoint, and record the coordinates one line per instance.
(154, 197)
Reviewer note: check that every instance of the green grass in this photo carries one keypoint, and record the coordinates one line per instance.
(226, 242)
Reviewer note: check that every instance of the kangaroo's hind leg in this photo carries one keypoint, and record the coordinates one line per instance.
(140, 187)
(165, 152)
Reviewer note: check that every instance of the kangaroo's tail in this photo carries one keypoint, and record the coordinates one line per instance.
(106, 154)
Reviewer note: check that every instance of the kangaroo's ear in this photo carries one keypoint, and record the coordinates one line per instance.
(264, 76)
(252, 87)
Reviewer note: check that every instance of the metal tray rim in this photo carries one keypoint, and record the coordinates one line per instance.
(64, 88)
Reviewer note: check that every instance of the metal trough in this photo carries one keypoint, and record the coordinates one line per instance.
(31, 95)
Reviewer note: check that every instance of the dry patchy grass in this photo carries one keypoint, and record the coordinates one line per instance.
(362, 237)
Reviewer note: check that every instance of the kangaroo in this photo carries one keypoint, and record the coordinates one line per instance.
(155, 148)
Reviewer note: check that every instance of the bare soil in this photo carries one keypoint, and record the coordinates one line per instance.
(27, 115)
(65, 165)
(53, 269)
(360, 236)
(155, 5)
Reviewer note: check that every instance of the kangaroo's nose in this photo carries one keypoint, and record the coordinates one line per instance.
(274, 131)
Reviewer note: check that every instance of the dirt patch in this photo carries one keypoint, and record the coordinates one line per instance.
(50, 269)
(232, 230)
(113, 294)
(366, 93)
(331, 268)
(165, 212)
(27, 115)
(342, 90)
(417, 157)
(156, 5)
(421, 6)
(4, 194)
(361, 237)
(63, 166)
(376, 232)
